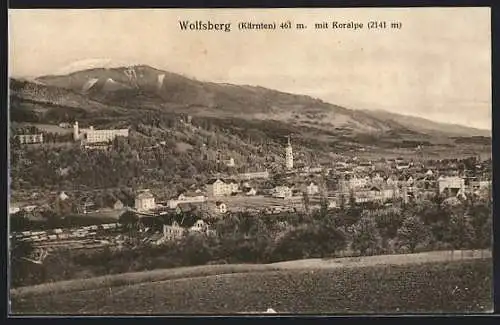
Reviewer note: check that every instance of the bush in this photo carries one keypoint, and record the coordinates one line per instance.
(309, 241)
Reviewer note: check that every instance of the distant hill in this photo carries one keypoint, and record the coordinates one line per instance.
(128, 90)
(425, 125)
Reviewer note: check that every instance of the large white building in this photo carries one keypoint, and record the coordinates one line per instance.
(454, 184)
(145, 201)
(92, 135)
(30, 138)
(220, 188)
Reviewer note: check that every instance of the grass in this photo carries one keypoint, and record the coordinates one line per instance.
(449, 286)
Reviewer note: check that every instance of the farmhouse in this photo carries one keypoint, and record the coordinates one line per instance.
(145, 201)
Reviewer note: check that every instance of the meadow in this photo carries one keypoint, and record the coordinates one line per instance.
(463, 286)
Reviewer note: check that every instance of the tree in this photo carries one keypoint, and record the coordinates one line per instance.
(412, 233)
(313, 240)
(22, 272)
(19, 222)
(461, 234)
(130, 221)
(365, 236)
(306, 201)
(481, 220)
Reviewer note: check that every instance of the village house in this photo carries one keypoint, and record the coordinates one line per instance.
(145, 201)
(452, 183)
(118, 205)
(218, 187)
(173, 231)
(13, 209)
(30, 138)
(221, 207)
(186, 198)
(282, 192)
(199, 226)
(312, 189)
(63, 196)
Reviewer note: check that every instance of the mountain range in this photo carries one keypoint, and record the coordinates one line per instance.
(121, 90)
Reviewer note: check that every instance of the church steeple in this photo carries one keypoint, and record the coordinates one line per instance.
(289, 155)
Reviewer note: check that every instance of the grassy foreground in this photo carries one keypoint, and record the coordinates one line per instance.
(451, 286)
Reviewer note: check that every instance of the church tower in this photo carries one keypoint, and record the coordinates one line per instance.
(289, 155)
(76, 132)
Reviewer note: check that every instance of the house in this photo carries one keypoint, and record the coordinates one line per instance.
(249, 191)
(402, 165)
(173, 231)
(145, 201)
(199, 226)
(29, 208)
(118, 205)
(221, 207)
(452, 183)
(312, 189)
(356, 182)
(63, 171)
(218, 187)
(282, 192)
(13, 209)
(87, 206)
(230, 162)
(63, 196)
(30, 138)
(64, 125)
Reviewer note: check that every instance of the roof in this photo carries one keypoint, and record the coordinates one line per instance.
(213, 180)
(145, 195)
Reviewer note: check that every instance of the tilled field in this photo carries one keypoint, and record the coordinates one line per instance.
(461, 286)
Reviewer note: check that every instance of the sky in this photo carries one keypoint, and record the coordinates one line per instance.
(436, 66)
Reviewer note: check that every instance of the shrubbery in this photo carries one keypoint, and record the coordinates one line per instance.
(244, 238)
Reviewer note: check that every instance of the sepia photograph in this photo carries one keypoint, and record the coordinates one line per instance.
(250, 161)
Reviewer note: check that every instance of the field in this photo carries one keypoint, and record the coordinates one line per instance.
(462, 285)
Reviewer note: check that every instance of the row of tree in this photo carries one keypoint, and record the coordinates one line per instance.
(247, 238)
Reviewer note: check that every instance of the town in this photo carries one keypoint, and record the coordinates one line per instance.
(293, 188)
